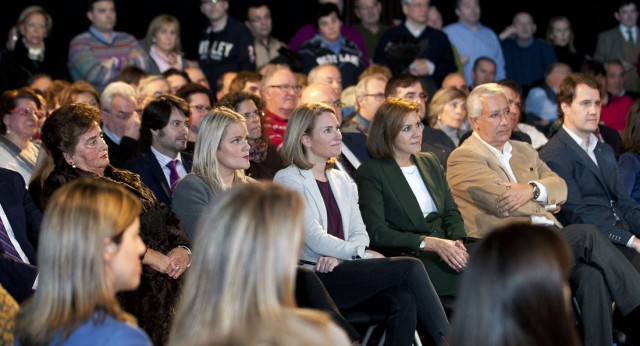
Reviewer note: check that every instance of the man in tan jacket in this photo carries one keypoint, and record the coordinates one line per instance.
(496, 181)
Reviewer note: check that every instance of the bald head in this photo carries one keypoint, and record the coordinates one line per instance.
(456, 80)
(319, 92)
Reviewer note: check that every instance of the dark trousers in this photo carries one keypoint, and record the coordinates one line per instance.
(601, 273)
(311, 294)
(398, 286)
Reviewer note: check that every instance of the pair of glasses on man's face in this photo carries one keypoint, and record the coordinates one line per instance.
(286, 87)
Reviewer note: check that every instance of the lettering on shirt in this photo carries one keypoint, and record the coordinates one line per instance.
(341, 58)
(217, 51)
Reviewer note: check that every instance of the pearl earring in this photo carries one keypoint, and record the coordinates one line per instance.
(73, 164)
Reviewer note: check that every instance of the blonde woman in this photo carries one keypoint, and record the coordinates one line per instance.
(90, 249)
(221, 155)
(163, 46)
(243, 273)
(336, 238)
(447, 112)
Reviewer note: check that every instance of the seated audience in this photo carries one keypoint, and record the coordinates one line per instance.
(560, 36)
(280, 92)
(260, 297)
(247, 81)
(90, 249)
(425, 220)
(196, 75)
(456, 80)
(223, 83)
(18, 150)
(150, 88)
(73, 137)
(515, 291)
(163, 135)
(264, 159)
(483, 71)
(541, 106)
(336, 241)
(520, 131)
(132, 75)
(614, 110)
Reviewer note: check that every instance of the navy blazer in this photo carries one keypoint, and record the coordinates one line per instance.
(595, 193)
(152, 175)
(25, 219)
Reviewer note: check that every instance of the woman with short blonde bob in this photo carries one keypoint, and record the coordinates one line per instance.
(336, 239)
(162, 44)
(90, 249)
(221, 155)
(244, 268)
(447, 112)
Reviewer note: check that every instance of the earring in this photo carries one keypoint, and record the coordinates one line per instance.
(73, 164)
(308, 146)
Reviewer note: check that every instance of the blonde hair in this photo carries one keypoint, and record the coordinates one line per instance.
(440, 99)
(157, 23)
(205, 160)
(302, 121)
(72, 285)
(244, 264)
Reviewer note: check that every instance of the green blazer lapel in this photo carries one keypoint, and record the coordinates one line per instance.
(427, 175)
(403, 193)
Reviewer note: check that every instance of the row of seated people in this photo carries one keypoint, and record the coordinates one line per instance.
(452, 253)
(254, 290)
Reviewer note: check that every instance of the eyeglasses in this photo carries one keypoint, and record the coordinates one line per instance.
(377, 97)
(201, 108)
(253, 114)
(286, 87)
(25, 112)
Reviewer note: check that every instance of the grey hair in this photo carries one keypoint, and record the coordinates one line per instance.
(474, 101)
(121, 89)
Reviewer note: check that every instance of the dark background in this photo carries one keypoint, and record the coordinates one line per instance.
(69, 19)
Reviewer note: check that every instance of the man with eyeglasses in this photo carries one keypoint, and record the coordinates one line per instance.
(409, 87)
(120, 122)
(369, 97)
(435, 59)
(280, 91)
(498, 182)
(226, 45)
(200, 101)
(259, 23)
(163, 135)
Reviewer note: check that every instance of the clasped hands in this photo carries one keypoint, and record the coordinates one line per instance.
(173, 263)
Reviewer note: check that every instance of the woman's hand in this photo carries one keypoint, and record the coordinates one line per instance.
(180, 259)
(326, 264)
(158, 262)
(374, 254)
(451, 252)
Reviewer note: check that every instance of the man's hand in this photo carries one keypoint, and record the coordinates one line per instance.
(107, 63)
(419, 67)
(516, 196)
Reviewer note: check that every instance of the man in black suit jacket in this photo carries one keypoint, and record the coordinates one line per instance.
(120, 122)
(163, 135)
(595, 193)
(22, 219)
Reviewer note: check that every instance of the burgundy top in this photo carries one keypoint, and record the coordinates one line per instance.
(334, 218)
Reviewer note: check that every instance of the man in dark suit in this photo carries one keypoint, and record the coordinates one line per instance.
(497, 182)
(20, 221)
(589, 167)
(120, 122)
(163, 135)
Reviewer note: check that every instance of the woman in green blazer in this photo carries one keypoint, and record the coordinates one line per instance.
(404, 197)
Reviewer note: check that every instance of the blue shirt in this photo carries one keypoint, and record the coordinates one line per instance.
(476, 43)
(109, 332)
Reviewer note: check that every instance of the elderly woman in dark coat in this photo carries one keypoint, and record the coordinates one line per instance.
(74, 138)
